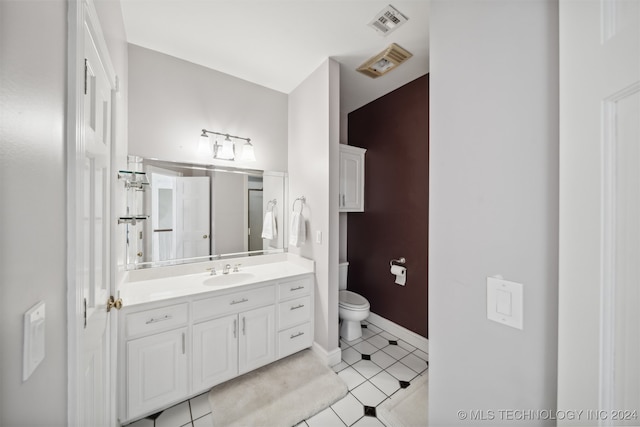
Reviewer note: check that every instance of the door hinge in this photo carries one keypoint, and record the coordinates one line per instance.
(114, 303)
(85, 312)
(85, 76)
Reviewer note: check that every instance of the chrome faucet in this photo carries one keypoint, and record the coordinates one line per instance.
(226, 269)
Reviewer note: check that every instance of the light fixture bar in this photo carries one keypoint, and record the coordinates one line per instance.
(204, 132)
(227, 149)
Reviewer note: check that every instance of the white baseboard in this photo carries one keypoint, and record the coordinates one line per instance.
(331, 358)
(401, 332)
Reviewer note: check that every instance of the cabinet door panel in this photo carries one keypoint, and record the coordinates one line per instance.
(351, 179)
(156, 371)
(215, 352)
(257, 338)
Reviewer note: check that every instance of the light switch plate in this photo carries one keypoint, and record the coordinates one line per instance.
(33, 348)
(504, 302)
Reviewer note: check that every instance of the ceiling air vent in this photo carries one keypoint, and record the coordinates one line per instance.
(385, 61)
(387, 20)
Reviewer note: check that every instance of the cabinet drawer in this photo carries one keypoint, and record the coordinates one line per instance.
(158, 319)
(294, 288)
(294, 311)
(294, 339)
(231, 303)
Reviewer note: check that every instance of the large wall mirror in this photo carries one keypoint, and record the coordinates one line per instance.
(189, 213)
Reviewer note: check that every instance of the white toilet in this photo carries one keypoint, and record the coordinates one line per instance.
(352, 307)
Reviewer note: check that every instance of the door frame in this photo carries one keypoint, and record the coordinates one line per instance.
(79, 12)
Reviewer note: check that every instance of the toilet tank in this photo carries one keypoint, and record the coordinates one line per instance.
(343, 269)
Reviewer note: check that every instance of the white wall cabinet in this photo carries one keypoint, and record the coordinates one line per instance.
(351, 197)
(172, 350)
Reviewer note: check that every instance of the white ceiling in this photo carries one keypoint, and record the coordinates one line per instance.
(278, 43)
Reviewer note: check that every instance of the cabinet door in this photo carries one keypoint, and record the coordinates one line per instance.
(351, 182)
(215, 352)
(156, 371)
(257, 338)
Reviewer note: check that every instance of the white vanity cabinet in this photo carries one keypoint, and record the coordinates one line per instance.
(295, 315)
(227, 346)
(351, 197)
(178, 348)
(156, 358)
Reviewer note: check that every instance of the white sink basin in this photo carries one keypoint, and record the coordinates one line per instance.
(228, 279)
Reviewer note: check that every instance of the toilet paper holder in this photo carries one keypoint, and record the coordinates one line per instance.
(397, 261)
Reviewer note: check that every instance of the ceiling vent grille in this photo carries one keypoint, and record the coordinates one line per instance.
(385, 61)
(388, 20)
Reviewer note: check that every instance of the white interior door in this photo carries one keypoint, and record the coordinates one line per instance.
(90, 397)
(163, 222)
(193, 199)
(599, 295)
(96, 264)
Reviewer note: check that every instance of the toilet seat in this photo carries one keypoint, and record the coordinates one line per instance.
(352, 301)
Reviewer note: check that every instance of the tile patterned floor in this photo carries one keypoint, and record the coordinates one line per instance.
(374, 367)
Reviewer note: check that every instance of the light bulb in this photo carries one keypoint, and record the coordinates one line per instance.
(204, 145)
(248, 154)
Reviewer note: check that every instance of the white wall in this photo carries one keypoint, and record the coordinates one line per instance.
(313, 173)
(33, 45)
(171, 101)
(493, 205)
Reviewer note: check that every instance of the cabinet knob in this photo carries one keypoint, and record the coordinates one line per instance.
(205, 236)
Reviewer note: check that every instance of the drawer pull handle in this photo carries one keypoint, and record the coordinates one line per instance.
(159, 319)
(296, 335)
(239, 301)
(297, 288)
(297, 307)
(235, 328)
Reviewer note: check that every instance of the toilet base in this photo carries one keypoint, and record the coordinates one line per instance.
(350, 330)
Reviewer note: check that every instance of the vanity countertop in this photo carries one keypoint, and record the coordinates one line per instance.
(157, 284)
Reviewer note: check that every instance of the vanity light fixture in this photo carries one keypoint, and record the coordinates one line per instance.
(225, 149)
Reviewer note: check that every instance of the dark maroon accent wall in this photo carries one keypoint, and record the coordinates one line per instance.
(395, 131)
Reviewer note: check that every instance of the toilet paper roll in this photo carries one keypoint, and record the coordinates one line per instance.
(401, 274)
(398, 270)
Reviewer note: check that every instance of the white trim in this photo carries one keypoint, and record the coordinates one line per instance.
(331, 358)
(74, 137)
(401, 332)
(608, 255)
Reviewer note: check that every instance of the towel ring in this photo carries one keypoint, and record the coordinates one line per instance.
(302, 200)
(271, 204)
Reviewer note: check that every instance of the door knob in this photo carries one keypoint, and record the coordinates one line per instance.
(114, 303)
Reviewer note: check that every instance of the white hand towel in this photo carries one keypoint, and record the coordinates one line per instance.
(268, 229)
(297, 234)
(274, 224)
